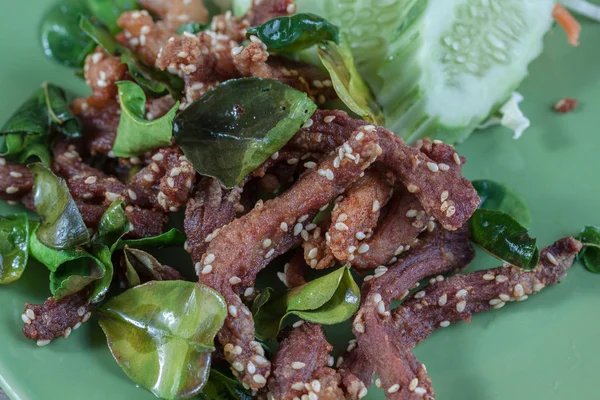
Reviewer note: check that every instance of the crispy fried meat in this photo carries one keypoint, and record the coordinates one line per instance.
(55, 319)
(142, 35)
(317, 252)
(229, 25)
(436, 253)
(15, 180)
(210, 208)
(293, 271)
(265, 10)
(356, 215)
(175, 13)
(99, 124)
(441, 190)
(248, 244)
(301, 366)
(101, 72)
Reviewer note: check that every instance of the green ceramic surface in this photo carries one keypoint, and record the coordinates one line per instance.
(545, 348)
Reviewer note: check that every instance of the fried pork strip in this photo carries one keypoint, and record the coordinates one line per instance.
(293, 271)
(248, 244)
(317, 252)
(301, 366)
(101, 72)
(142, 35)
(54, 319)
(15, 180)
(174, 13)
(265, 10)
(355, 216)
(210, 208)
(441, 190)
(436, 253)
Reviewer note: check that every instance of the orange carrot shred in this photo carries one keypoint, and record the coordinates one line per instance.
(568, 22)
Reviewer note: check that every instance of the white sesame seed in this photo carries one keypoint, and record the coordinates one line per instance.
(444, 167)
(16, 174)
(461, 294)
(251, 367)
(360, 235)
(238, 366)
(304, 235)
(158, 157)
(443, 299)
(551, 258)
(363, 392)
(259, 379)
(457, 159)
(368, 278)
(538, 286)
(489, 277)
(81, 311)
(381, 307)
(433, 167)
(210, 257)
(132, 194)
(493, 302)
(298, 324)
(313, 253)
(360, 136)
(292, 161)
(504, 297)
(376, 206)
(30, 314)
(351, 249)
(12, 189)
(249, 292)
(499, 305)
(303, 218)
(413, 384)
(207, 269)
(312, 396)
(394, 388)
(343, 217)
(358, 327)
(269, 253)
(310, 227)
(266, 243)
(412, 188)
(460, 306)
(232, 310)
(420, 391)
(329, 174)
(76, 326)
(284, 226)
(298, 386)
(420, 295)
(329, 119)
(25, 319)
(363, 248)
(501, 278)
(308, 123)
(310, 164)
(411, 213)
(518, 290)
(67, 332)
(234, 280)
(445, 324)
(297, 229)
(340, 226)
(298, 365)
(42, 343)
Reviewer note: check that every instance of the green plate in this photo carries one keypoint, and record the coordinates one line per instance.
(544, 348)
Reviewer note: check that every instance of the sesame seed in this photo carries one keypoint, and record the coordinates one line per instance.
(413, 384)
(238, 366)
(298, 365)
(489, 277)
(158, 157)
(493, 302)
(15, 174)
(310, 164)
(266, 243)
(340, 226)
(30, 314)
(269, 253)
(499, 305)
(501, 278)
(297, 229)
(175, 171)
(460, 306)
(304, 235)
(445, 324)
(504, 297)
(81, 311)
(308, 123)
(381, 307)
(234, 280)
(148, 177)
(67, 332)
(363, 392)
(394, 388)
(411, 213)
(420, 391)
(298, 324)
(232, 311)
(457, 159)
(368, 278)
(358, 327)
(518, 290)
(210, 257)
(363, 248)
(444, 196)
(376, 206)
(451, 211)
(312, 396)
(412, 188)
(343, 217)
(173, 209)
(310, 227)
(284, 226)
(378, 382)
(12, 189)
(249, 292)
(207, 269)
(360, 235)
(538, 286)
(251, 367)
(329, 119)
(351, 249)
(259, 379)
(42, 343)
(132, 194)
(76, 326)
(551, 258)
(360, 136)
(461, 294)
(444, 167)
(420, 295)
(303, 218)
(298, 386)
(443, 299)
(313, 253)
(25, 319)
(329, 174)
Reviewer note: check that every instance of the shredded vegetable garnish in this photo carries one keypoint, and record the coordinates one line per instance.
(568, 22)
(584, 8)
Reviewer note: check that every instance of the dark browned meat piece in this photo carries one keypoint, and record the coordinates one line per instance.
(145, 222)
(404, 220)
(566, 105)
(301, 366)
(15, 180)
(436, 253)
(101, 72)
(230, 26)
(55, 319)
(99, 124)
(175, 13)
(210, 208)
(317, 252)
(293, 273)
(248, 244)
(265, 10)
(143, 35)
(355, 216)
(441, 190)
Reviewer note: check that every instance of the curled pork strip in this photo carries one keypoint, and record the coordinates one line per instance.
(54, 319)
(436, 253)
(210, 208)
(142, 35)
(249, 243)
(175, 13)
(356, 215)
(101, 72)
(429, 181)
(317, 252)
(302, 366)
(15, 180)
(99, 124)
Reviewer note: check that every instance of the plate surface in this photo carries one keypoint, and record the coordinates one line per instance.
(545, 348)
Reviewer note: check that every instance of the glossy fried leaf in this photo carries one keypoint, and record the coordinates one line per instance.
(158, 83)
(327, 300)
(296, 32)
(60, 36)
(192, 27)
(348, 83)
(61, 224)
(141, 267)
(109, 11)
(136, 134)
(503, 237)
(590, 254)
(32, 127)
(221, 387)
(14, 240)
(499, 197)
(113, 225)
(235, 127)
(161, 334)
(173, 237)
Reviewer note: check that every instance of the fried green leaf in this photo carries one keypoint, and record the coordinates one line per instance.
(235, 127)
(327, 300)
(192, 27)
(504, 238)
(221, 387)
(14, 239)
(109, 11)
(296, 32)
(141, 267)
(113, 225)
(499, 197)
(161, 334)
(136, 134)
(32, 127)
(158, 83)
(173, 237)
(590, 254)
(61, 224)
(348, 83)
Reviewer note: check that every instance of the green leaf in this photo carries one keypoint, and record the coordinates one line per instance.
(14, 239)
(141, 267)
(328, 300)
(135, 134)
(61, 38)
(192, 27)
(109, 11)
(113, 225)
(30, 130)
(590, 254)
(172, 238)
(221, 387)
(296, 32)
(503, 237)
(161, 334)
(235, 127)
(158, 83)
(348, 83)
(61, 224)
(499, 197)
